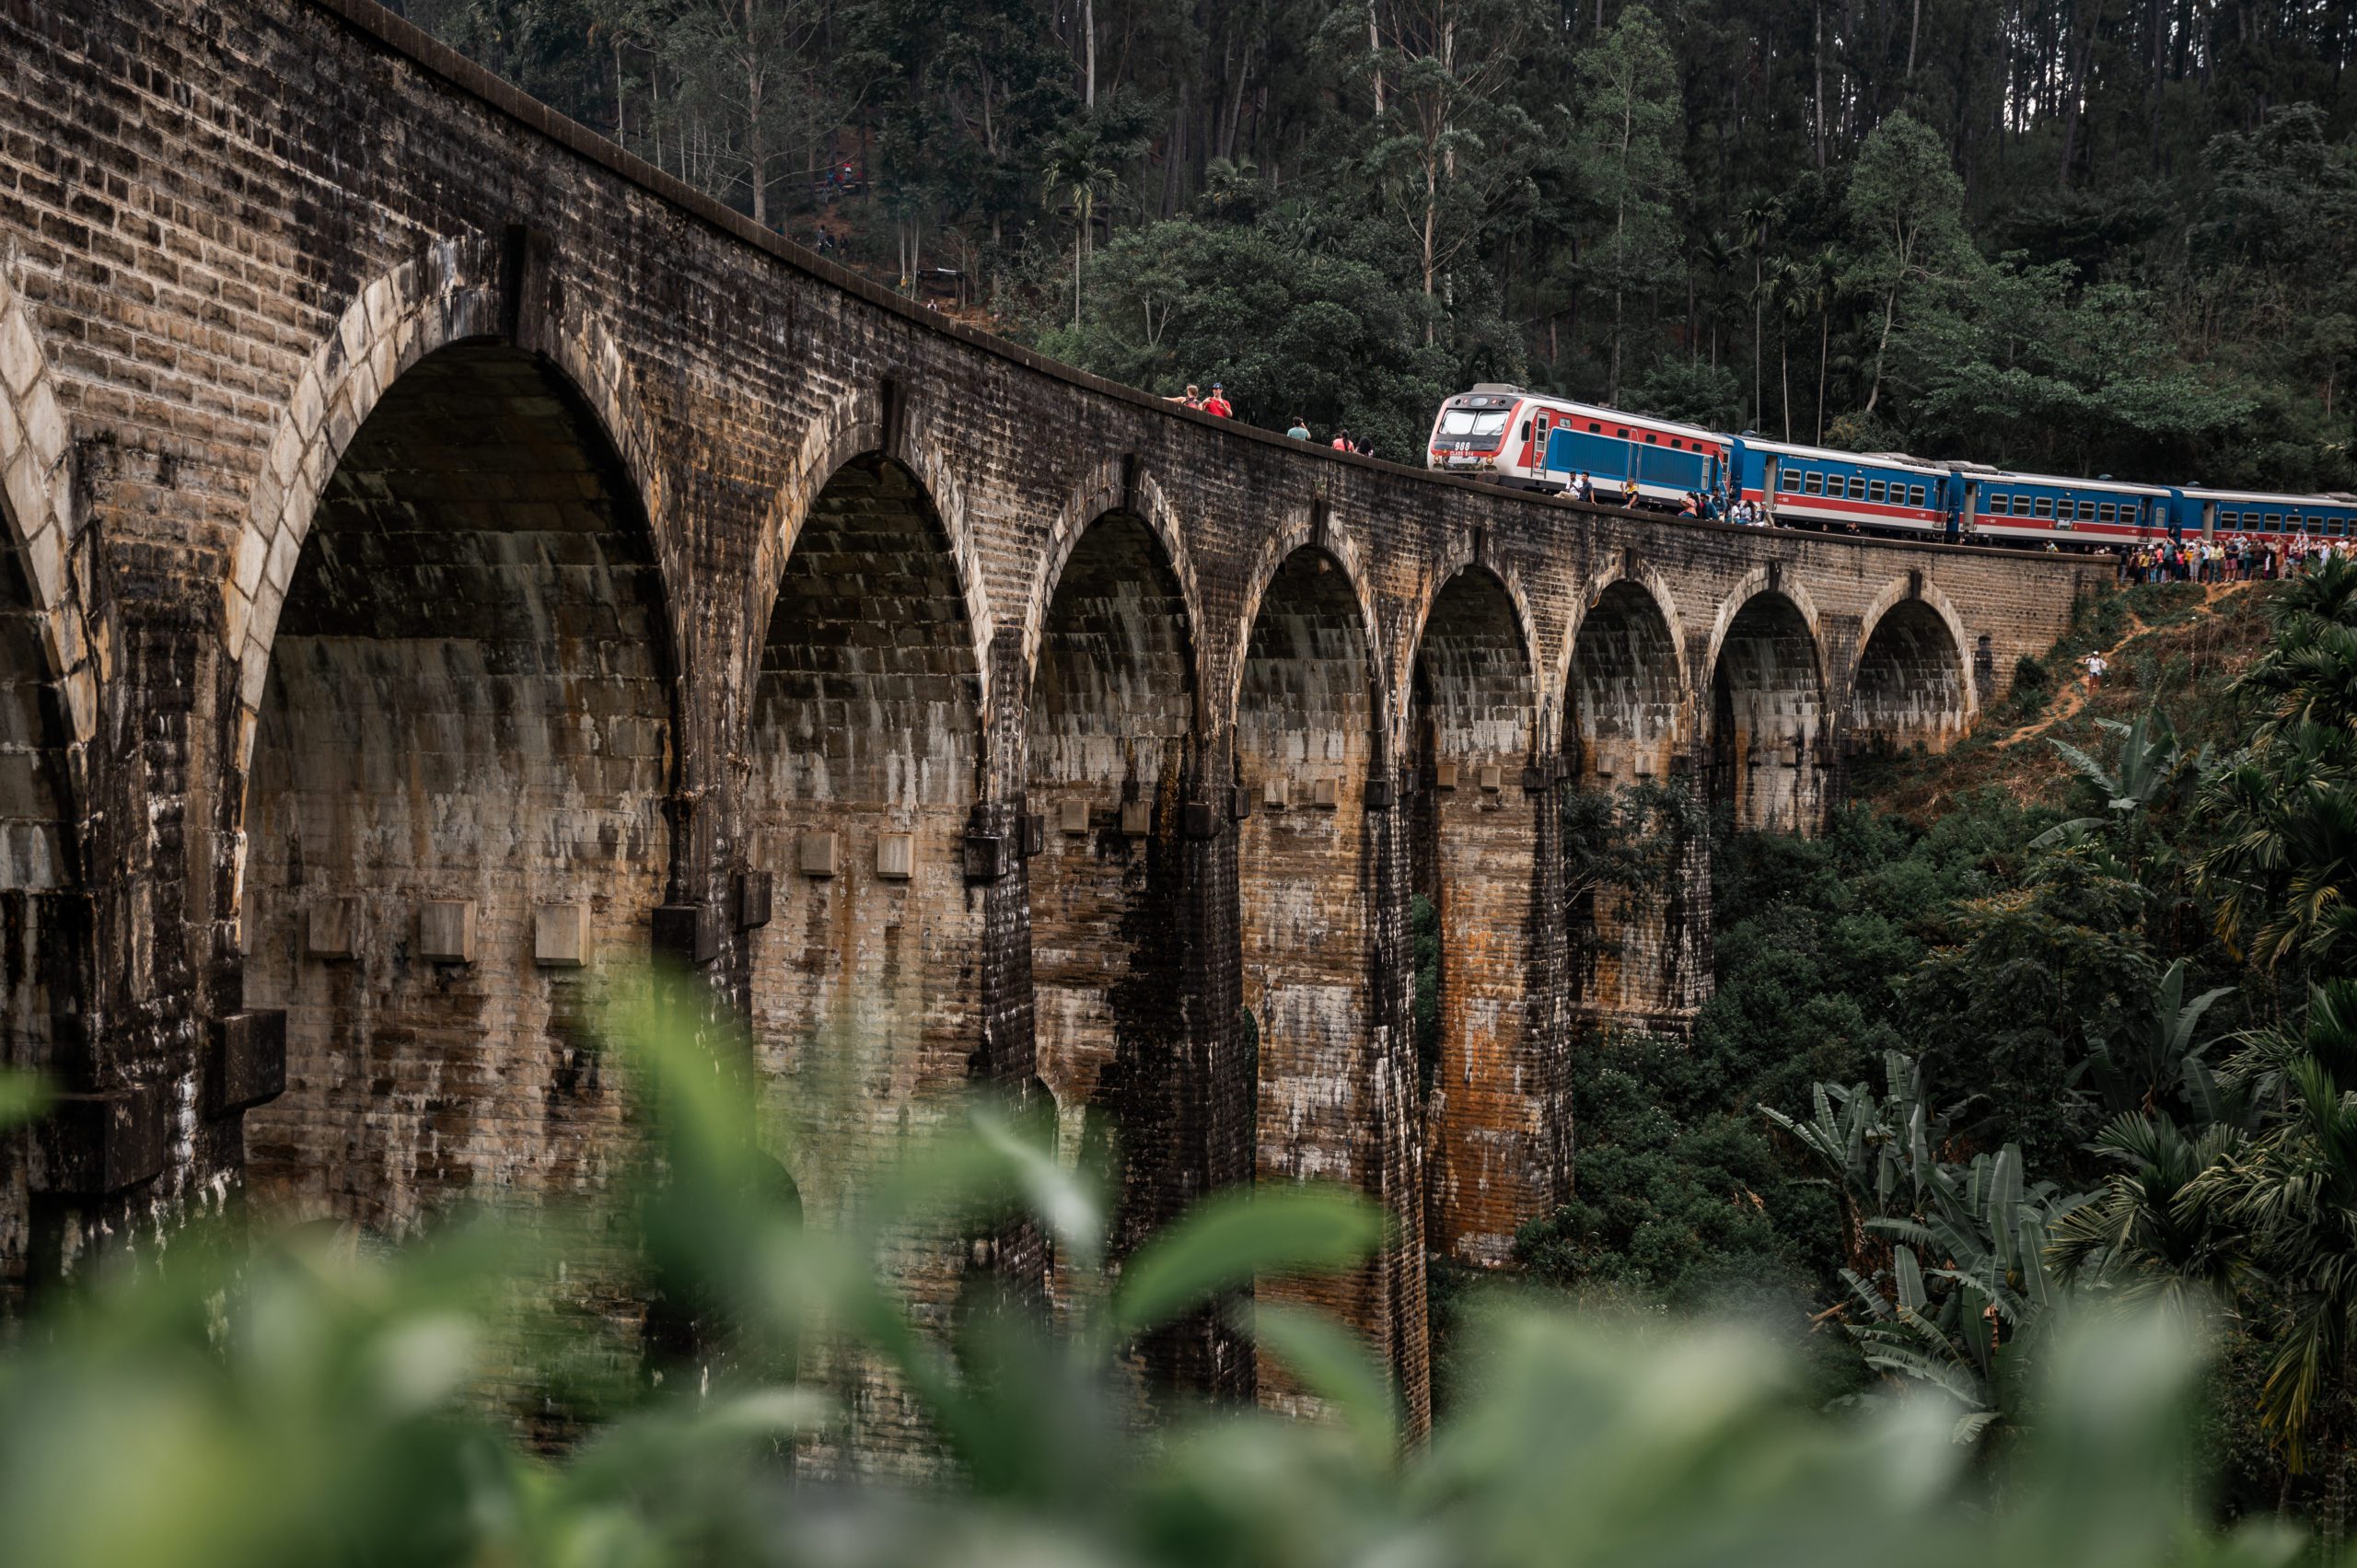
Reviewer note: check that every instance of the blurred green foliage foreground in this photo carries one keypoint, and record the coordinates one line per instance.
(224, 1401)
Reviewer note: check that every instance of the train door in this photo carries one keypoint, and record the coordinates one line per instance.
(1541, 423)
(1769, 473)
(2209, 518)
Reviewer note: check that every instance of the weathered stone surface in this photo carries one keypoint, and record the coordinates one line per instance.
(411, 499)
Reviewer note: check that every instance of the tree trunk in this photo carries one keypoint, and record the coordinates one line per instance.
(754, 149)
(1914, 31)
(2072, 112)
(1375, 48)
(1088, 49)
(1824, 335)
(1785, 369)
(1890, 312)
(1818, 105)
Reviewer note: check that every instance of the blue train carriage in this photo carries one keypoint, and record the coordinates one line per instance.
(2198, 511)
(1998, 505)
(1668, 460)
(1815, 487)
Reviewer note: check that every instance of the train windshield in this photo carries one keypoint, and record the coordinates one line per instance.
(1472, 422)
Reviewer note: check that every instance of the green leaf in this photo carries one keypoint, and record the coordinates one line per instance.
(1334, 1364)
(1225, 1241)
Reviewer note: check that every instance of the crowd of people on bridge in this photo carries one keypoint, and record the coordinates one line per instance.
(2235, 558)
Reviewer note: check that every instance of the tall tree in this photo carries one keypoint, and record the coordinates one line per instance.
(1906, 205)
(1630, 123)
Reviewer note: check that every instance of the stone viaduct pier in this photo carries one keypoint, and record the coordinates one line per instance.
(443, 558)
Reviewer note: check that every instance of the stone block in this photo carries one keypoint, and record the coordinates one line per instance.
(821, 850)
(896, 857)
(445, 931)
(93, 1144)
(1444, 775)
(988, 857)
(1493, 778)
(1276, 792)
(1326, 793)
(754, 890)
(1137, 819)
(1072, 816)
(560, 935)
(248, 1061)
(686, 933)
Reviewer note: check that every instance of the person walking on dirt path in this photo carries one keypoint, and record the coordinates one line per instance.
(2096, 667)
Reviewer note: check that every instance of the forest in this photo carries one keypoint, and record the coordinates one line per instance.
(2076, 235)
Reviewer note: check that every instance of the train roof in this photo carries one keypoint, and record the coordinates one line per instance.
(1828, 455)
(2262, 497)
(2120, 486)
(1600, 410)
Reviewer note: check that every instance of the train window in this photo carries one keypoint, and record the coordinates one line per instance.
(2045, 506)
(1652, 439)
(2275, 523)
(2086, 511)
(1791, 480)
(1472, 422)
(1914, 495)
(1874, 490)
(1676, 443)
(1593, 428)
(2106, 513)
(1624, 433)
(1813, 485)
(1857, 488)
(1525, 430)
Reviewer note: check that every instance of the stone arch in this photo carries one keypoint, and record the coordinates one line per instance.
(853, 425)
(1769, 720)
(1114, 486)
(1622, 675)
(1480, 836)
(456, 806)
(1304, 528)
(1633, 948)
(1446, 572)
(1911, 682)
(35, 482)
(449, 296)
(863, 759)
(1112, 759)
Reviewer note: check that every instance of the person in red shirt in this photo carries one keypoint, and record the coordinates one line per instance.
(1216, 405)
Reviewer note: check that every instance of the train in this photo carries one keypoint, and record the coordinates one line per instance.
(1527, 441)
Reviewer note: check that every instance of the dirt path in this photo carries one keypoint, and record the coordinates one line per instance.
(2074, 696)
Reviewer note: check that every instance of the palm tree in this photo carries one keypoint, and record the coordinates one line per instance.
(1758, 221)
(1079, 169)
(2282, 876)
(2291, 1195)
(2138, 1235)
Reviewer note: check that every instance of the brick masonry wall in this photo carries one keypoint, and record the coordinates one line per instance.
(230, 233)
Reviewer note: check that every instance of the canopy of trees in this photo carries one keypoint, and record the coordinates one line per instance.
(2109, 236)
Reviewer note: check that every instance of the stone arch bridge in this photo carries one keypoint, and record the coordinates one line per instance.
(443, 556)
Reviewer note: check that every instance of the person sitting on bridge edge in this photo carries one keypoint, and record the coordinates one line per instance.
(1341, 441)
(1300, 431)
(1216, 405)
(1191, 396)
(1584, 487)
(1629, 494)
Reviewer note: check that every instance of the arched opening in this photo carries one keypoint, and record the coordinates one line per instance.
(1768, 756)
(1910, 690)
(1109, 763)
(1478, 839)
(1634, 864)
(455, 805)
(1305, 750)
(865, 752)
(44, 927)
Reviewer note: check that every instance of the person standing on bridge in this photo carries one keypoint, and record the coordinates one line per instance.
(1216, 405)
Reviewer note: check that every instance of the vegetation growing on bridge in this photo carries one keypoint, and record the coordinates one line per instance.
(2067, 237)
